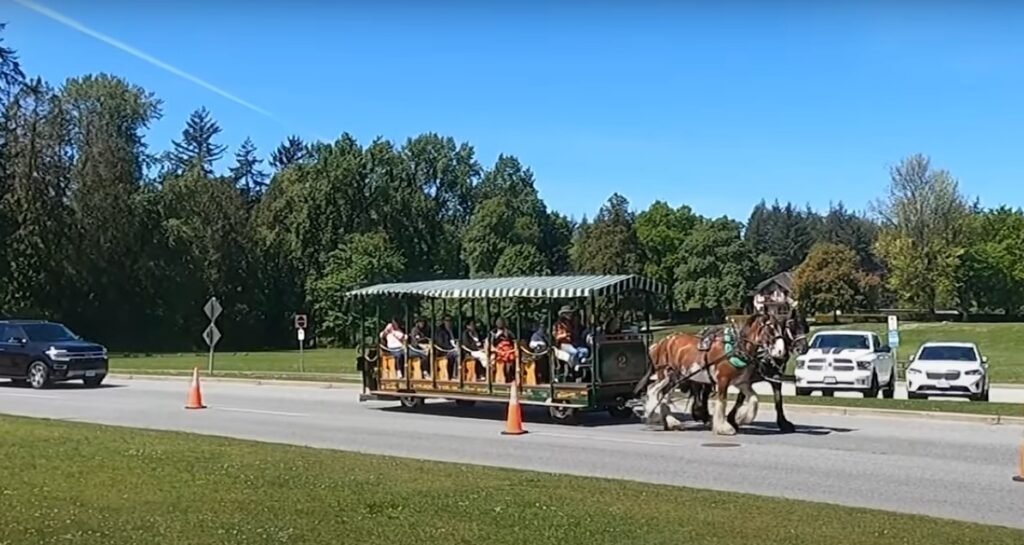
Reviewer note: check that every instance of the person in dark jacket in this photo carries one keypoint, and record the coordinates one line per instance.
(419, 346)
(444, 342)
(472, 344)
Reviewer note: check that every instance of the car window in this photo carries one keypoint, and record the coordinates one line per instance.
(840, 340)
(948, 353)
(10, 333)
(48, 333)
(877, 341)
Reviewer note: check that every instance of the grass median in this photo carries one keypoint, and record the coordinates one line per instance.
(88, 484)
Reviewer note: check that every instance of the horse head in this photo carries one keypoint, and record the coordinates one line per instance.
(765, 335)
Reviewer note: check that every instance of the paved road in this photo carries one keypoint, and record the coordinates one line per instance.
(952, 470)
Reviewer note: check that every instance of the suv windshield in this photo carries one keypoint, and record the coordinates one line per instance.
(948, 353)
(856, 342)
(48, 333)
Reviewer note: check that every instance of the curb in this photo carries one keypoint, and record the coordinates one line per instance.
(839, 410)
(341, 384)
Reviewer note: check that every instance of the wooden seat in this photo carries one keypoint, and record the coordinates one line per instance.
(441, 368)
(387, 366)
(499, 372)
(469, 370)
(414, 367)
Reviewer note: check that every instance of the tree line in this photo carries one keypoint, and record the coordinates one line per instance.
(125, 242)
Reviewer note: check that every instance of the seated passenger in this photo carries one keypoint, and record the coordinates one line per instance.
(504, 345)
(539, 339)
(569, 337)
(471, 343)
(420, 346)
(444, 342)
(393, 339)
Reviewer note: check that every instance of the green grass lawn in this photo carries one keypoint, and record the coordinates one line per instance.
(323, 361)
(88, 484)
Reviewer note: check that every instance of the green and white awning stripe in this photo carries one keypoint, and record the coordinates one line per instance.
(535, 287)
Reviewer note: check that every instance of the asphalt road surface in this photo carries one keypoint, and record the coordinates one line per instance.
(945, 469)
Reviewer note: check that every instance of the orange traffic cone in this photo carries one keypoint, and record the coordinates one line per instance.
(195, 397)
(514, 421)
(1019, 477)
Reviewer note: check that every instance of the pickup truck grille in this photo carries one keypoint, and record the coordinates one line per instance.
(948, 375)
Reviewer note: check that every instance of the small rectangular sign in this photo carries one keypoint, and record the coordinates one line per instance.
(894, 338)
(300, 321)
(894, 324)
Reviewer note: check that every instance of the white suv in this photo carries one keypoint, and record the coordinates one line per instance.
(845, 360)
(948, 369)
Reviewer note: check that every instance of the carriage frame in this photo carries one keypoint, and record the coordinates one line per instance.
(618, 361)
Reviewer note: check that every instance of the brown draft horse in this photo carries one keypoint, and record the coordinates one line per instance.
(682, 358)
(795, 330)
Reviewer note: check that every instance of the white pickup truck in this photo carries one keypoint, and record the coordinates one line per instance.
(846, 360)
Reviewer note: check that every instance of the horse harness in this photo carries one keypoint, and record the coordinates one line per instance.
(732, 353)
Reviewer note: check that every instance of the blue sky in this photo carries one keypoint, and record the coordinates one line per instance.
(714, 104)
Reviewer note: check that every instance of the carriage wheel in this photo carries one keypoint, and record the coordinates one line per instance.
(564, 415)
(619, 411)
(411, 403)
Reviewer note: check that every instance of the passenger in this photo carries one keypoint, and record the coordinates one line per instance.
(471, 343)
(420, 346)
(394, 342)
(539, 339)
(444, 341)
(568, 336)
(504, 347)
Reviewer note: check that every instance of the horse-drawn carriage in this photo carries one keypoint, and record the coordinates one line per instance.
(598, 369)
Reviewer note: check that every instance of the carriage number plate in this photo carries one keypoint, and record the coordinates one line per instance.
(830, 380)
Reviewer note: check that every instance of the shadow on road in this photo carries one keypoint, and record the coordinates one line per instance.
(497, 412)
(763, 427)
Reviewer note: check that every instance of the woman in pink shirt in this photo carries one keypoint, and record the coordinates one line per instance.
(393, 339)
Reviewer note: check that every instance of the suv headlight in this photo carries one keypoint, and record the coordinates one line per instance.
(913, 371)
(57, 354)
(973, 372)
(864, 365)
(800, 363)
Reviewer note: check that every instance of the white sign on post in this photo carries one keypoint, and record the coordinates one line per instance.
(301, 334)
(894, 324)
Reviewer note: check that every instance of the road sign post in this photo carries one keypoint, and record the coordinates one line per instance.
(894, 340)
(300, 334)
(212, 335)
(302, 337)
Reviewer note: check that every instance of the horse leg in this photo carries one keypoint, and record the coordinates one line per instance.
(785, 426)
(652, 407)
(701, 394)
(748, 410)
(720, 425)
(740, 400)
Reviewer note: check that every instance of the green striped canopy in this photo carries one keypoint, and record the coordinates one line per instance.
(532, 287)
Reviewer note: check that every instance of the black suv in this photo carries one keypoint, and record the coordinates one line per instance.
(41, 353)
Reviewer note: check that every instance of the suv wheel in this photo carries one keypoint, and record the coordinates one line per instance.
(38, 375)
(889, 391)
(873, 390)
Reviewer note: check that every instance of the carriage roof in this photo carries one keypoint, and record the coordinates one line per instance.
(528, 287)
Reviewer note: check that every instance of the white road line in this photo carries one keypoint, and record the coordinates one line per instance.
(258, 411)
(37, 396)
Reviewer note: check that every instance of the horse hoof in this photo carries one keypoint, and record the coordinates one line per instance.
(787, 427)
(726, 430)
